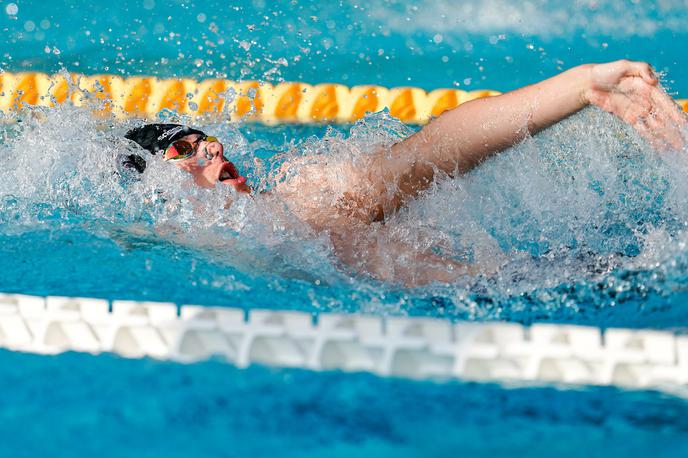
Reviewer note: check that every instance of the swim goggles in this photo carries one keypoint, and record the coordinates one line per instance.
(181, 149)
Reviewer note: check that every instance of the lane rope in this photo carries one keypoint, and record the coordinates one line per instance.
(417, 348)
(289, 102)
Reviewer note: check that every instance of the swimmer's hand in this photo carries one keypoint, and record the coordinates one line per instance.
(239, 184)
(240, 187)
(631, 91)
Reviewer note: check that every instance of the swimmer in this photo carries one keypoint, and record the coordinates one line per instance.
(367, 193)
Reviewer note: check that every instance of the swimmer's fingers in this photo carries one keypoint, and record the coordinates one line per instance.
(633, 105)
(636, 110)
(641, 126)
(644, 106)
(668, 122)
(650, 111)
(662, 133)
(668, 118)
(648, 128)
(666, 104)
(628, 104)
(668, 137)
(239, 184)
(662, 104)
(608, 76)
(642, 70)
(657, 128)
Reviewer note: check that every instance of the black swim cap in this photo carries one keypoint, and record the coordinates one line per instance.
(154, 138)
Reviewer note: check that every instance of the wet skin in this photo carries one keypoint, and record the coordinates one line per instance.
(369, 192)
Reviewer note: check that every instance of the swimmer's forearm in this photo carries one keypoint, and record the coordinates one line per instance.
(463, 137)
(486, 126)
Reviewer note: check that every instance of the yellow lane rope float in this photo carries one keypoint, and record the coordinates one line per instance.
(146, 97)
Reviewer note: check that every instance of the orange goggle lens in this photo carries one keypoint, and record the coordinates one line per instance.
(178, 151)
(181, 149)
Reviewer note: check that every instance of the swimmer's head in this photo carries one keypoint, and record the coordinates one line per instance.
(190, 150)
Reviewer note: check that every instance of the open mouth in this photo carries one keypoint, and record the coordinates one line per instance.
(228, 172)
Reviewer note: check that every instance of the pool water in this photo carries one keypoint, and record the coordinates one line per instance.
(587, 223)
(493, 44)
(110, 407)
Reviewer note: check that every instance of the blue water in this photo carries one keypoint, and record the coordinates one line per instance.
(493, 44)
(110, 407)
(588, 222)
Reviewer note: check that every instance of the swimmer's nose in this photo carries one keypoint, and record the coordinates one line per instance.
(215, 149)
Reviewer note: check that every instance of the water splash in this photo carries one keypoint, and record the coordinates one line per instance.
(576, 222)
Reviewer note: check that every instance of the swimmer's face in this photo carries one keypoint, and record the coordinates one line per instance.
(208, 165)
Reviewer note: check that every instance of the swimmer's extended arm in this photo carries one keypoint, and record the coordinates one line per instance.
(465, 136)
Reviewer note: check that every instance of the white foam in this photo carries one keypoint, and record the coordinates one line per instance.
(575, 205)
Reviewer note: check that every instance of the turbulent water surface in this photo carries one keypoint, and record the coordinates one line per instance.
(583, 223)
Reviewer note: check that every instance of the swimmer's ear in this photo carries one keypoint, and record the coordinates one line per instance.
(135, 162)
(130, 166)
